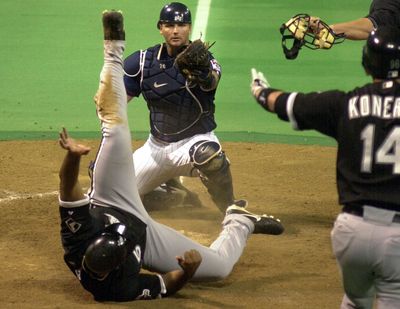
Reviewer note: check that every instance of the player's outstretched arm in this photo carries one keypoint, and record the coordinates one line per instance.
(176, 279)
(70, 189)
(358, 29)
(262, 92)
(355, 30)
(194, 62)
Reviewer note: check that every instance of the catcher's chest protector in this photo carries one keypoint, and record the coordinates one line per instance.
(175, 113)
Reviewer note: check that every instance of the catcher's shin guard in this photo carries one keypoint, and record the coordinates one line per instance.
(210, 160)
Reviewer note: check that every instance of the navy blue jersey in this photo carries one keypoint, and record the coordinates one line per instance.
(177, 110)
(366, 124)
(79, 226)
(385, 13)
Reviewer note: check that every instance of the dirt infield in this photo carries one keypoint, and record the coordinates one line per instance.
(294, 270)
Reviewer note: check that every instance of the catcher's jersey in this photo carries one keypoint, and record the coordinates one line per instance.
(79, 226)
(177, 110)
(385, 13)
(366, 124)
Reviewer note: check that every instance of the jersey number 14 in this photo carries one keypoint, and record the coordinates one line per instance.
(387, 153)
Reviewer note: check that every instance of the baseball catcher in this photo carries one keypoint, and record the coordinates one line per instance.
(307, 31)
(194, 63)
(178, 79)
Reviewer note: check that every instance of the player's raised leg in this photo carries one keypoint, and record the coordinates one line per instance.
(112, 181)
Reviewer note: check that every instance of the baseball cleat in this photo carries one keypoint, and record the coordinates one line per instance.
(240, 203)
(113, 25)
(262, 224)
(163, 197)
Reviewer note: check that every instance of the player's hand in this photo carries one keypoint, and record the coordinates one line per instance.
(71, 145)
(199, 76)
(189, 262)
(324, 35)
(258, 83)
(314, 24)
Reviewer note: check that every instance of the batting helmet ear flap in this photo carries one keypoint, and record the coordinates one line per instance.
(366, 62)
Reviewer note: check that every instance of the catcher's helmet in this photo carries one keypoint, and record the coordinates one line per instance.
(175, 13)
(381, 53)
(107, 251)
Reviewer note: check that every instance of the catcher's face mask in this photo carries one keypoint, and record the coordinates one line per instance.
(298, 29)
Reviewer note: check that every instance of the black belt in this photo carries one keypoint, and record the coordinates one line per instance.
(359, 211)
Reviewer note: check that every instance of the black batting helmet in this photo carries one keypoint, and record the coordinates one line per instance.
(381, 53)
(108, 251)
(175, 13)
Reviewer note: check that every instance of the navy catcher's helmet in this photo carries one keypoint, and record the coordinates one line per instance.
(108, 251)
(381, 53)
(175, 13)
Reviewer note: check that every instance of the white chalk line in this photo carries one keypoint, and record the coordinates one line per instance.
(200, 24)
(14, 196)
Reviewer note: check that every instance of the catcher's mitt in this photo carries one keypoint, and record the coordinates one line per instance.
(194, 61)
(310, 32)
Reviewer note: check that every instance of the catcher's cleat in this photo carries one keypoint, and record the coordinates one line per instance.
(262, 224)
(113, 25)
(190, 199)
(164, 197)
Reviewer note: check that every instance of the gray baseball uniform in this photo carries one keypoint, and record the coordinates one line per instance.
(368, 247)
(114, 184)
(366, 236)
